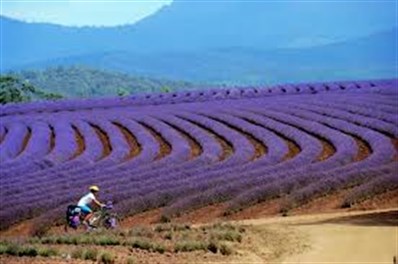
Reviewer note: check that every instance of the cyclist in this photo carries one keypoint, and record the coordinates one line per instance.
(86, 202)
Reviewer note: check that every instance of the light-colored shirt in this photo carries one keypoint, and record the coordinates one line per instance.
(86, 199)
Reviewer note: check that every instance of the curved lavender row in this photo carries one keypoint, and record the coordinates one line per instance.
(370, 104)
(345, 150)
(203, 182)
(372, 123)
(379, 184)
(3, 132)
(175, 141)
(380, 144)
(210, 148)
(202, 168)
(62, 175)
(179, 153)
(13, 143)
(215, 94)
(120, 150)
(65, 145)
(335, 182)
(276, 147)
(128, 194)
(383, 152)
(357, 110)
(93, 150)
(237, 185)
(243, 149)
(47, 169)
(37, 147)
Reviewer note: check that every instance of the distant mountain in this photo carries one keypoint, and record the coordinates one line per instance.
(78, 81)
(368, 57)
(200, 26)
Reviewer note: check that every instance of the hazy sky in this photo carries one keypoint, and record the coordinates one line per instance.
(82, 12)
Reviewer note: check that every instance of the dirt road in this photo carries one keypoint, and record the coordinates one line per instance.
(353, 237)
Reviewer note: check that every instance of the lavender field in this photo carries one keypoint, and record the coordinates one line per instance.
(183, 151)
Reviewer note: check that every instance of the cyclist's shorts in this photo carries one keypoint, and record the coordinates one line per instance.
(86, 209)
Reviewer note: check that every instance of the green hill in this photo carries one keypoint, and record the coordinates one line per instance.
(78, 81)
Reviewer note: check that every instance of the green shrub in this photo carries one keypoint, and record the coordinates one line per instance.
(225, 249)
(77, 253)
(85, 240)
(188, 246)
(90, 254)
(48, 252)
(48, 240)
(12, 249)
(141, 231)
(3, 249)
(27, 251)
(141, 244)
(107, 258)
(228, 235)
(158, 248)
(68, 240)
(107, 241)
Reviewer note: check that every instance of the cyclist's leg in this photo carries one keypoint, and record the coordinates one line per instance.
(88, 213)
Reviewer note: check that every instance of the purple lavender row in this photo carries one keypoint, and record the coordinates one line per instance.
(332, 183)
(357, 110)
(13, 144)
(37, 146)
(179, 153)
(391, 109)
(211, 94)
(372, 123)
(92, 152)
(206, 181)
(119, 151)
(344, 145)
(175, 141)
(382, 153)
(377, 185)
(64, 149)
(379, 143)
(86, 130)
(3, 132)
(135, 185)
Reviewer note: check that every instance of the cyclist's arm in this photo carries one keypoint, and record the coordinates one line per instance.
(98, 203)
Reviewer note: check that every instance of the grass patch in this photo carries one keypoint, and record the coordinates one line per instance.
(225, 249)
(107, 258)
(48, 252)
(188, 246)
(141, 231)
(77, 253)
(90, 254)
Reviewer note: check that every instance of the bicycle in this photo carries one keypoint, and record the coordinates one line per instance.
(101, 218)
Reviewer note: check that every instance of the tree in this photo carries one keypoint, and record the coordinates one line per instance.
(13, 89)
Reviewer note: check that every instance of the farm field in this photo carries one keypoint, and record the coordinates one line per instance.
(203, 156)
